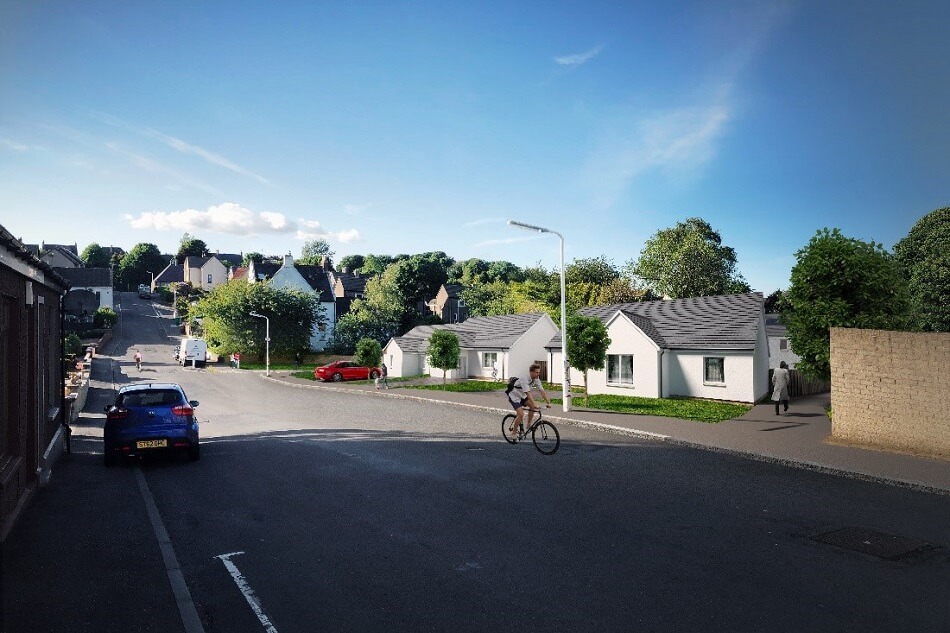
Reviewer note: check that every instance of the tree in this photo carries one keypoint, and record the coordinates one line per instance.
(369, 353)
(773, 302)
(95, 256)
(229, 326)
(105, 317)
(592, 270)
(352, 263)
(587, 343)
(376, 264)
(489, 299)
(840, 282)
(314, 251)
(134, 267)
(504, 271)
(924, 258)
(191, 246)
(688, 260)
(444, 351)
(252, 257)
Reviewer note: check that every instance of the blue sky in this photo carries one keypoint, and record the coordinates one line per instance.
(405, 127)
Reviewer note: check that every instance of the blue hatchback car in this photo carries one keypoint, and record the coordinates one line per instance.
(149, 418)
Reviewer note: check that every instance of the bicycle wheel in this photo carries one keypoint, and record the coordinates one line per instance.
(505, 423)
(545, 437)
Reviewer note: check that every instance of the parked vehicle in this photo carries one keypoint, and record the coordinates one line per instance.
(192, 350)
(345, 370)
(150, 418)
(144, 292)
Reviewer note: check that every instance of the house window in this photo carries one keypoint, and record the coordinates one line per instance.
(714, 369)
(783, 343)
(489, 359)
(209, 278)
(620, 369)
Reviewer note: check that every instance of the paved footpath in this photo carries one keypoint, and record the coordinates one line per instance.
(799, 438)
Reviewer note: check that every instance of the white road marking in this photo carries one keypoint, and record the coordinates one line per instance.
(246, 590)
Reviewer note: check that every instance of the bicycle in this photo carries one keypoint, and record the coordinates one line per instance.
(544, 434)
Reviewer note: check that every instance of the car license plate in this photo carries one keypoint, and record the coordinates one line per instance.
(151, 444)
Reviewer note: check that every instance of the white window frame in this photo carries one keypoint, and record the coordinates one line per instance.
(621, 381)
(706, 379)
(486, 364)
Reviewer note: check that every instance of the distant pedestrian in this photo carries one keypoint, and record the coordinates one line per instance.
(298, 359)
(780, 379)
(384, 375)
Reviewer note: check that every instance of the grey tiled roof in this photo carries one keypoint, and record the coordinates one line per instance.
(230, 259)
(492, 332)
(454, 290)
(172, 274)
(352, 282)
(86, 277)
(726, 322)
(774, 327)
(318, 280)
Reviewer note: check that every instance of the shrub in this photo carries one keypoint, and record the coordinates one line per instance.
(72, 343)
(104, 317)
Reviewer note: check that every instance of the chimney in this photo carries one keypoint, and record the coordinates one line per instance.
(326, 264)
(288, 260)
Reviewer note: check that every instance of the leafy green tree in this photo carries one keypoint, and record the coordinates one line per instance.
(376, 264)
(469, 272)
(587, 343)
(444, 351)
(96, 256)
(314, 251)
(352, 263)
(773, 302)
(504, 271)
(134, 267)
(191, 246)
(378, 316)
(252, 257)
(489, 299)
(688, 260)
(840, 282)
(592, 270)
(369, 353)
(105, 317)
(924, 258)
(229, 326)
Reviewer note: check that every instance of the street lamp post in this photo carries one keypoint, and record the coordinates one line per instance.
(565, 375)
(152, 287)
(266, 342)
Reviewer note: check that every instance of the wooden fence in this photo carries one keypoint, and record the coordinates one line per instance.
(798, 385)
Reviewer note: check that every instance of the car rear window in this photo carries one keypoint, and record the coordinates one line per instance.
(151, 398)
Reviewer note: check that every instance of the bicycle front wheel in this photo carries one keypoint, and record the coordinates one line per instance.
(545, 437)
(507, 421)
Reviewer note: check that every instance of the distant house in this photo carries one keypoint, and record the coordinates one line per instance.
(172, 274)
(89, 289)
(204, 272)
(32, 395)
(346, 287)
(57, 255)
(230, 260)
(448, 304)
(307, 278)
(505, 345)
(700, 347)
(780, 348)
(261, 271)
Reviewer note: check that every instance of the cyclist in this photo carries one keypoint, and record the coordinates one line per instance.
(138, 360)
(520, 396)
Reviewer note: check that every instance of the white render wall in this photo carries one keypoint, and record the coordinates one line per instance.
(777, 355)
(686, 374)
(527, 349)
(218, 272)
(627, 338)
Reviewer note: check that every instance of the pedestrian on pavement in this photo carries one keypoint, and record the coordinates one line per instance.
(297, 359)
(138, 360)
(384, 374)
(780, 386)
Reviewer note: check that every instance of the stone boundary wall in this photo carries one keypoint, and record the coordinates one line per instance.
(891, 390)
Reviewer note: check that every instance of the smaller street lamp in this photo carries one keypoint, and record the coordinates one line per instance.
(152, 287)
(266, 342)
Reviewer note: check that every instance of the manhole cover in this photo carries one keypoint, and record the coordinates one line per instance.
(886, 546)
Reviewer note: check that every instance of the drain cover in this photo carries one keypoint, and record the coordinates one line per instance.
(886, 546)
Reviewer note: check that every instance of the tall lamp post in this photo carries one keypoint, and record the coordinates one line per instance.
(152, 287)
(266, 342)
(565, 376)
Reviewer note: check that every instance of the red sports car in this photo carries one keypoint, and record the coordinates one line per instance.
(345, 370)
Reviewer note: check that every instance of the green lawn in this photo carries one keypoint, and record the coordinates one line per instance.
(682, 408)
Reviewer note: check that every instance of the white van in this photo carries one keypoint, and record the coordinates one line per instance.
(193, 350)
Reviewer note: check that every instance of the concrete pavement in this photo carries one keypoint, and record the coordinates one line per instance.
(799, 438)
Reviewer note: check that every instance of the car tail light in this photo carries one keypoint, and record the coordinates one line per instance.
(183, 409)
(117, 414)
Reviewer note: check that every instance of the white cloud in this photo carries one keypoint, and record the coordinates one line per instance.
(573, 61)
(675, 141)
(233, 219)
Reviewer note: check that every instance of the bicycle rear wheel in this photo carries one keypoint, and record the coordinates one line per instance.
(506, 421)
(545, 437)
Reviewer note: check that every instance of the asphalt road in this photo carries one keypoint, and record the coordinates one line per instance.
(356, 513)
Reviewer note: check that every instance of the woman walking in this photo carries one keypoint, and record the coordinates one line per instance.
(780, 386)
